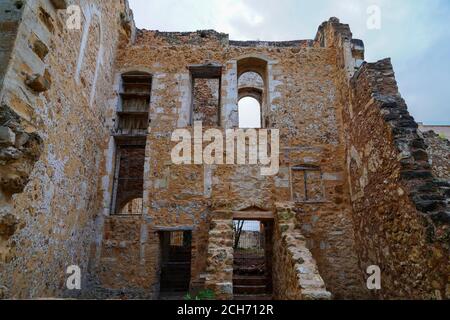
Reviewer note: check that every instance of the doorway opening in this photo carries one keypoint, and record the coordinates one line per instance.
(252, 268)
(176, 252)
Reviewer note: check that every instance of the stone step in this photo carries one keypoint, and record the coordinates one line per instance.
(257, 297)
(250, 290)
(249, 280)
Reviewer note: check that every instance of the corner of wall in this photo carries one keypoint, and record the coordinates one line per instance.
(392, 181)
(350, 52)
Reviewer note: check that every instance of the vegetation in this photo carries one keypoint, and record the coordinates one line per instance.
(202, 295)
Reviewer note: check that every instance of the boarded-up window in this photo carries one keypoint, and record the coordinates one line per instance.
(307, 184)
(133, 115)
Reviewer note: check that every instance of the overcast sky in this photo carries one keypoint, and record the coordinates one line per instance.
(415, 34)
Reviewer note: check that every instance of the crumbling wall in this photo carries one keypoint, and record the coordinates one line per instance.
(295, 274)
(206, 99)
(54, 99)
(399, 209)
(10, 15)
(301, 102)
(374, 198)
(438, 149)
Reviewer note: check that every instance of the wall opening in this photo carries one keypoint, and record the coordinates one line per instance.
(129, 179)
(206, 94)
(134, 206)
(249, 113)
(130, 131)
(252, 93)
(176, 254)
(133, 112)
(252, 266)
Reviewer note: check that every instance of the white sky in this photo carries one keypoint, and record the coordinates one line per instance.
(249, 113)
(251, 225)
(415, 34)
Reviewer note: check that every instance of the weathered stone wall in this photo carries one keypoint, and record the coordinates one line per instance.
(300, 102)
(10, 15)
(353, 168)
(55, 98)
(438, 149)
(250, 239)
(128, 262)
(219, 271)
(295, 274)
(399, 210)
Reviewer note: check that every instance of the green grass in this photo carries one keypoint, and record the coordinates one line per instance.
(202, 295)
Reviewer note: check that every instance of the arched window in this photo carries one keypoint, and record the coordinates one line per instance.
(252, 91)
(249, 113)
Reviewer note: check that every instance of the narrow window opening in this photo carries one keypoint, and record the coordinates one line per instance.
(129, 180)
(130, 135)
(206, 94)
(206, 101)
(249, 113)
(252, 91)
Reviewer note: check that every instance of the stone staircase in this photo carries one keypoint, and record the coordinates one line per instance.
(247, 287)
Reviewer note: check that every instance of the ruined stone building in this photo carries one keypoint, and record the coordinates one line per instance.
(86, 177)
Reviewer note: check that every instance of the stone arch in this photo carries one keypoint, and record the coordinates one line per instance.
(252, 78)
(252, 93)
(252, 63)
(132, 206)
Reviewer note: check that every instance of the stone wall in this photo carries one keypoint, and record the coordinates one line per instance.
(354, 172)
(250, 240)
(438, 149)
(399, 210)
(129, 262)
(300, 100)
(219, 271)
(10, 15)
(295, 274)
(55, 100)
